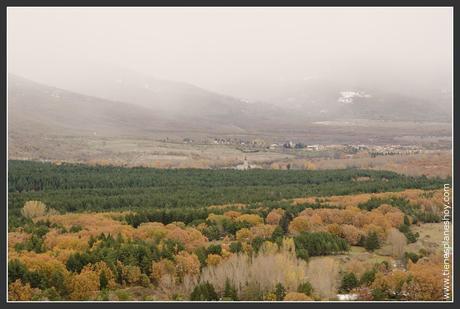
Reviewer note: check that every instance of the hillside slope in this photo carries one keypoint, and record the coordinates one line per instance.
(129, 109)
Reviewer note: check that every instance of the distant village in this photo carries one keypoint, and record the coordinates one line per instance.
(350, 149)
(331, 151)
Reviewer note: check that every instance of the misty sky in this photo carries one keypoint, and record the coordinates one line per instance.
(238, 51)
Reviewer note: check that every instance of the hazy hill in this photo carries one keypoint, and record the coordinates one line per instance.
(188, 104)
(34, 107)
(331, 100)
(166, 106)
(122, 102)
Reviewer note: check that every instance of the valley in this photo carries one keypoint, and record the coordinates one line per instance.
(229, 154)
(112, 233)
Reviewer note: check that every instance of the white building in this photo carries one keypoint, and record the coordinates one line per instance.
(245, 166)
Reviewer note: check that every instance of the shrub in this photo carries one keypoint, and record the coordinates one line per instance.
(378, 294)
(75, 228)
(349, 282)
(302, 254)
(368, 277)
(123, 295)
(305, 288)
(414, 257)
(411, 237)
(144, 280)
(236, 247)
(214, 249)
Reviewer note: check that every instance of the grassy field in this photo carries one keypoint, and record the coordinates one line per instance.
(168, 149)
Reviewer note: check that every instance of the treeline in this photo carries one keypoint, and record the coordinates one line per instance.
(38, 176)
(76, 187)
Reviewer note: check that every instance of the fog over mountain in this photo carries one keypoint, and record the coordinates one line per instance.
(240, 68)
(132, 104)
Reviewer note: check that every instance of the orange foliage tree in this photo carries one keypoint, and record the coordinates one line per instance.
(18, 291)
(250, 218)
(274, 216)
(299, 224)
(427, 280)
(85, 285)
(187, 263)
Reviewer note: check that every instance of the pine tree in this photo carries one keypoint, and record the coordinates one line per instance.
(204, 291)
(406, 220)
(16, 270)
(103, 281)
(277, 235)
(372, 241)
(280, 291)
(230, 291)
(284, 222)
